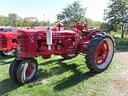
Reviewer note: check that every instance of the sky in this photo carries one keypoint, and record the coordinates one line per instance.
(47, 9)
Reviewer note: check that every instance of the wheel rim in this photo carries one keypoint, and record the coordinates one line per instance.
(29, 71)
(104, 53)
(5, 53)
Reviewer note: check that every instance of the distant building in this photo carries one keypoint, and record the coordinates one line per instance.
(31, 19)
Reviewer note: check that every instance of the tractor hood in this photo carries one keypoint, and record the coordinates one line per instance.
(44, 32)
(9, 34)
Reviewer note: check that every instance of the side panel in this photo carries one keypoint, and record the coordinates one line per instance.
(82, 47)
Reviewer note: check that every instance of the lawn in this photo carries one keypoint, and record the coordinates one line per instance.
(121, 44)
(57, 78)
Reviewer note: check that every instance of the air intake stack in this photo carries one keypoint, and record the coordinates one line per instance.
(49, 36)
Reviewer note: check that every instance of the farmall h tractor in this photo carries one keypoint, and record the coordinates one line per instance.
(8, 41)
(97, 44)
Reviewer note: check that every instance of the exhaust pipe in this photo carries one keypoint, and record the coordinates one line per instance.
(49, 37)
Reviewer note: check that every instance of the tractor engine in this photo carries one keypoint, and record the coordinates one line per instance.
(46, 42)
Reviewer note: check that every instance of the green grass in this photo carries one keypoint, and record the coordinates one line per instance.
(58, 78)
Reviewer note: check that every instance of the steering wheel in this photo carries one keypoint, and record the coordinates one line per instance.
(80, 25)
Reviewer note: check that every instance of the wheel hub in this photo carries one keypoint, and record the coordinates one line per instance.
(30, 70)
(101, 52)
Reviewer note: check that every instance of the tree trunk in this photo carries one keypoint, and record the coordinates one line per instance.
(122, 33)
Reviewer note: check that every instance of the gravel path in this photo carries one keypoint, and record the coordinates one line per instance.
(119, 81)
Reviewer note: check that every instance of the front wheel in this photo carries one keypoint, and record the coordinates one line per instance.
(13, 69)
(9, 53)
(100, 52)
(3, 53)
(26, 71)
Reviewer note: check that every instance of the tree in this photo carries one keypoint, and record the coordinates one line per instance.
(13, 18)
(117, 15)
(108, 26)
(72, 13)
(43, 23)
(92, 23)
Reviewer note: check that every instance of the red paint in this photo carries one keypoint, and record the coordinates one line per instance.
(102, 51)
(29, 70)
(8, 41)
(32, 42)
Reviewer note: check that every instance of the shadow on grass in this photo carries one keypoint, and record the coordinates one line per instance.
(6, 57)
(48, 62)
(54, 70)
(6, 86)
(72, 80)
(57, 70)
(76, 78)
(5, 60)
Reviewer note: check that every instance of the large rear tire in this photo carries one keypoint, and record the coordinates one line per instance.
(100, 52)
(27, 70)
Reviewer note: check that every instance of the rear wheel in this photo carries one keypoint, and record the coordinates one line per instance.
(100, 52)
(26, 71)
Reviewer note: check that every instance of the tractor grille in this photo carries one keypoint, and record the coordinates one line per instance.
(22, 44)
(3, 42)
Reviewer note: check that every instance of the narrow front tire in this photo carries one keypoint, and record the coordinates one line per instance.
(27, 70)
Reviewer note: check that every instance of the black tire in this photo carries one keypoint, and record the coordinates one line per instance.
(68, 57)
(91, 61)
(3, 54)
(23, 71)
(10, 53)
(13, 69)
(15, 53)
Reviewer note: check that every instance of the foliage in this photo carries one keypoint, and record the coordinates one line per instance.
(117, 15)
(120, 44)
(72, 13)
(43, 23)
(108, 26)
(96, 24)
(14, 20)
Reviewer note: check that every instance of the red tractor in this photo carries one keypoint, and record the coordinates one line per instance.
(97, 44)
(8, 40)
